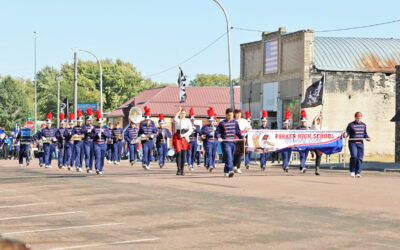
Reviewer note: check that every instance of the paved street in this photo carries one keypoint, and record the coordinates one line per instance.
(130, 208)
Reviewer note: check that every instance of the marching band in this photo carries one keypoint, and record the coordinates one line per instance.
(90, 144)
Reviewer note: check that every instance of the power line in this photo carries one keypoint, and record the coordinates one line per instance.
(188, 59)
(360, 27)
(246, 29)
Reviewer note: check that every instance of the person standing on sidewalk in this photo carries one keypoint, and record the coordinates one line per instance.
(316, 125)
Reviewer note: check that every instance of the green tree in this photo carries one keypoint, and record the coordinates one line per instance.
(121, 82)
(220, 80)
(14, 106)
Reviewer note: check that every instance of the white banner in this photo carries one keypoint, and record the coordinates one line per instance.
(328, 141)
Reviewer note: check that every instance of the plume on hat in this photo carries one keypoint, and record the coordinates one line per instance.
(98, 114)
(264, 113)
(303, 113)
(62, 116)
(248, 114)
(71, 116)
(191, 112)
(287, 115)
(89, 111)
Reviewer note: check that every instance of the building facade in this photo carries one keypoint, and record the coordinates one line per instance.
(360, 76)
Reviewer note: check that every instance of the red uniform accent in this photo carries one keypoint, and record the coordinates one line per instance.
(264, 113)
(287, 115)
(147, 111)
(210, 112)
(79, 113)
(161, 117)
(358, 116)
(98, 114)
(62, 117)
(89, 111)
(49, 116)
(248, 116)
(191, 112)
(71, 116)
(180, 143)
(303, 113)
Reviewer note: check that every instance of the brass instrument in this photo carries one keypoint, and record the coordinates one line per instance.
(77, 137)
(49, 140)
(135, 115)
(119, 137)
(147, 137)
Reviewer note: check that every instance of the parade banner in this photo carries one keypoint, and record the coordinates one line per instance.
(327, 141)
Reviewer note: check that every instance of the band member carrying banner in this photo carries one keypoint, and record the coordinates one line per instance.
(288, 152)
(303, 153)
(264, 126)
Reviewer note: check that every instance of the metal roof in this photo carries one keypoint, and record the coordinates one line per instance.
(357, 54)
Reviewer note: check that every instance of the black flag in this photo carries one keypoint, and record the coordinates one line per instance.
(64, 107)
(314, 94)
(182, 86)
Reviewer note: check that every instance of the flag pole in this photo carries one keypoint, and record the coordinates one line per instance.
(323, 99)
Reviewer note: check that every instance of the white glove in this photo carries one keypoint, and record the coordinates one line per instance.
(44, 138)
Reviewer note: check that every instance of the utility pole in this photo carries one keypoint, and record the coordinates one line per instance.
(75, 83)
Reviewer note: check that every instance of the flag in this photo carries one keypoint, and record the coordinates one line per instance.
(182, 86)
(271, 56)
(15, 130)
(314, 94)
(64, 107)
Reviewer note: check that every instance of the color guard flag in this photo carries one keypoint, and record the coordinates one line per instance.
(182, 86)
(314, 94)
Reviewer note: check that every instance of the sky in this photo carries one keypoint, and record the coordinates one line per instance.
(155, 35)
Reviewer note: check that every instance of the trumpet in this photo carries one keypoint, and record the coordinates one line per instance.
(119, 137)
(48, 139)
(77, 137)
(147, 137)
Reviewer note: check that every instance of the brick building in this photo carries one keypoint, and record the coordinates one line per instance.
(360, 76)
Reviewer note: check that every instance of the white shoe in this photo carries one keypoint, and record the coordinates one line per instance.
(358, 175)
(59, 166)
(303, 170)
(47, 166)
(238, 171)
(41, 165)
(191, 168)
(235, 169)
(108, 162)
(79, 170)
(231, 174)
(88, 171)
(247, 166)
(226, 174)
(69, 168)
(100, 173)
(63, 167)
(146, 167)
(132, 163)
(352, 174)
(21, 165)
(117, 162)
(97, 171)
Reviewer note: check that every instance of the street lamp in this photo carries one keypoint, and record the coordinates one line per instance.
(101, 78)
(228, 29)
(35, 84)
(59, 76)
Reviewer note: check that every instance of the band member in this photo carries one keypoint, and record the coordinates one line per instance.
(37, 138)
(60, 141)
(227, 131)
(48, 135)
(180, 140)
(356, 130)
(69, 143)
(288, 152)
(78, 144)
(116, 135)
(303, 153)
(88, 141)
(211, 145)
(110, 145)
(191, 154)
(244, 127)
(99, 134)
(248, 154)
(147, 130)
(162, 140)
(264, 125)
(316, 125)
(24, 151)
(131, 137)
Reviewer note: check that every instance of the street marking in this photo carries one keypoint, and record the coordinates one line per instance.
(105, 243)
(62, 228)
(28, 204)
(37, 215)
